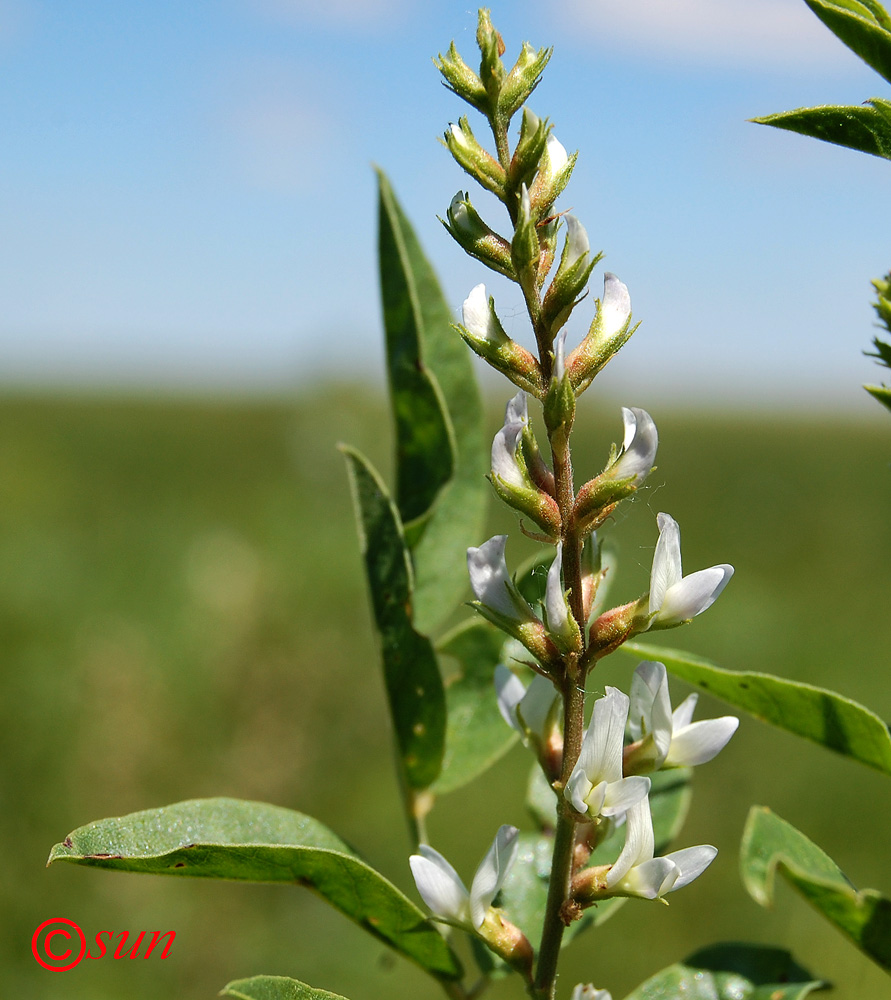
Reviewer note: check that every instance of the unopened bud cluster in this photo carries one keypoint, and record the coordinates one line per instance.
(600, 775)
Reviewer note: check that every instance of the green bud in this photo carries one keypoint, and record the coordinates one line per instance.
(462, 80)
(468, 230)
(525, 248)
(530, 149)
(559, 403)
(475, 159)
(576, 264)
(522, 79)
(491, 47)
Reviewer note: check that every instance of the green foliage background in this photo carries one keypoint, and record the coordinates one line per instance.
(183, 614)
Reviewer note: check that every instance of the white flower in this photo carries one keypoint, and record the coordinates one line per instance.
(596, 785)
(555, 157)
(443, 891)
(639, 447)
(615, 307)
(479, 318)
(577, 243)
(559, 353)
(517, 410)
(492, 586)
(670, 739)
(504, 455)
(459, 136)
(674, 598)
(558, 615)
(637, 873)
(529, 710)
(586, 991)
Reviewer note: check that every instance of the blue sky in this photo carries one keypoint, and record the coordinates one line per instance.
(187, 194)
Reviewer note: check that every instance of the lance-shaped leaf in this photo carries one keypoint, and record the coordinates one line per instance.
(424, 352)
(814, 713)
(865, 127)
(863, 25)
(770, 845)
(731, 971)
(275, 988)
(476, 735)
(414, 685)
(254, 842)
(524, 895)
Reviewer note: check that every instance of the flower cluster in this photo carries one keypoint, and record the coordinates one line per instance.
(601, 775)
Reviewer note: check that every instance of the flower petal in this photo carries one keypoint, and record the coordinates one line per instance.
(559, 356)
(577, 242)
(615, 308)
(556, 609)
(683, 714)
(639, 843)
(649, 713)
(699, 742)
(586, 991)
(492, 872)
(439, 885)
(537, 704)
(509, 691)
(504, 456)
(639, 447)
(666, 571)
(517, 410)
(621, 795)
(475, 312)
(650, 880)
(490, 581)
(601, 753)
(578, 789)
(692, 595)
(691, 863)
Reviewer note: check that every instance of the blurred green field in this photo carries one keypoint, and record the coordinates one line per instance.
(183, 614)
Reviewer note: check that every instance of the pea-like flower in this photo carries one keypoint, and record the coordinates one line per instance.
(635, 460)
(529, 710)
(596, 786)
(675, 599)
(637, 873)
(491, 582)
(663, 738)
(443, 891)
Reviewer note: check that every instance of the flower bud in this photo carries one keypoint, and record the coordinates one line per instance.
(491, 46)
(470, 155)
(559, 403)
(511, 480)
(576, 264)
(553, 175)
(562, 626)
(485, 336)
(527, 156)
(609, 331)
(522, 79)
(508, 942)
(625, 471)
(461, 79)
(517, 412)
(469, 231)
(525, 248)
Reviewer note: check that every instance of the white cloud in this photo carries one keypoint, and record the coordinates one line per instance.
(777, 33)
(358, 13)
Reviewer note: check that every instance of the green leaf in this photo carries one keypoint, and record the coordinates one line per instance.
(864, 128)
(425, 449)
(525, 892)
(423, 348)
(771, 845)
(822, 716)
(254, 842)
(414, 685)
(729, 972)
(476, 734)
(275, 988)
(863, 26)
